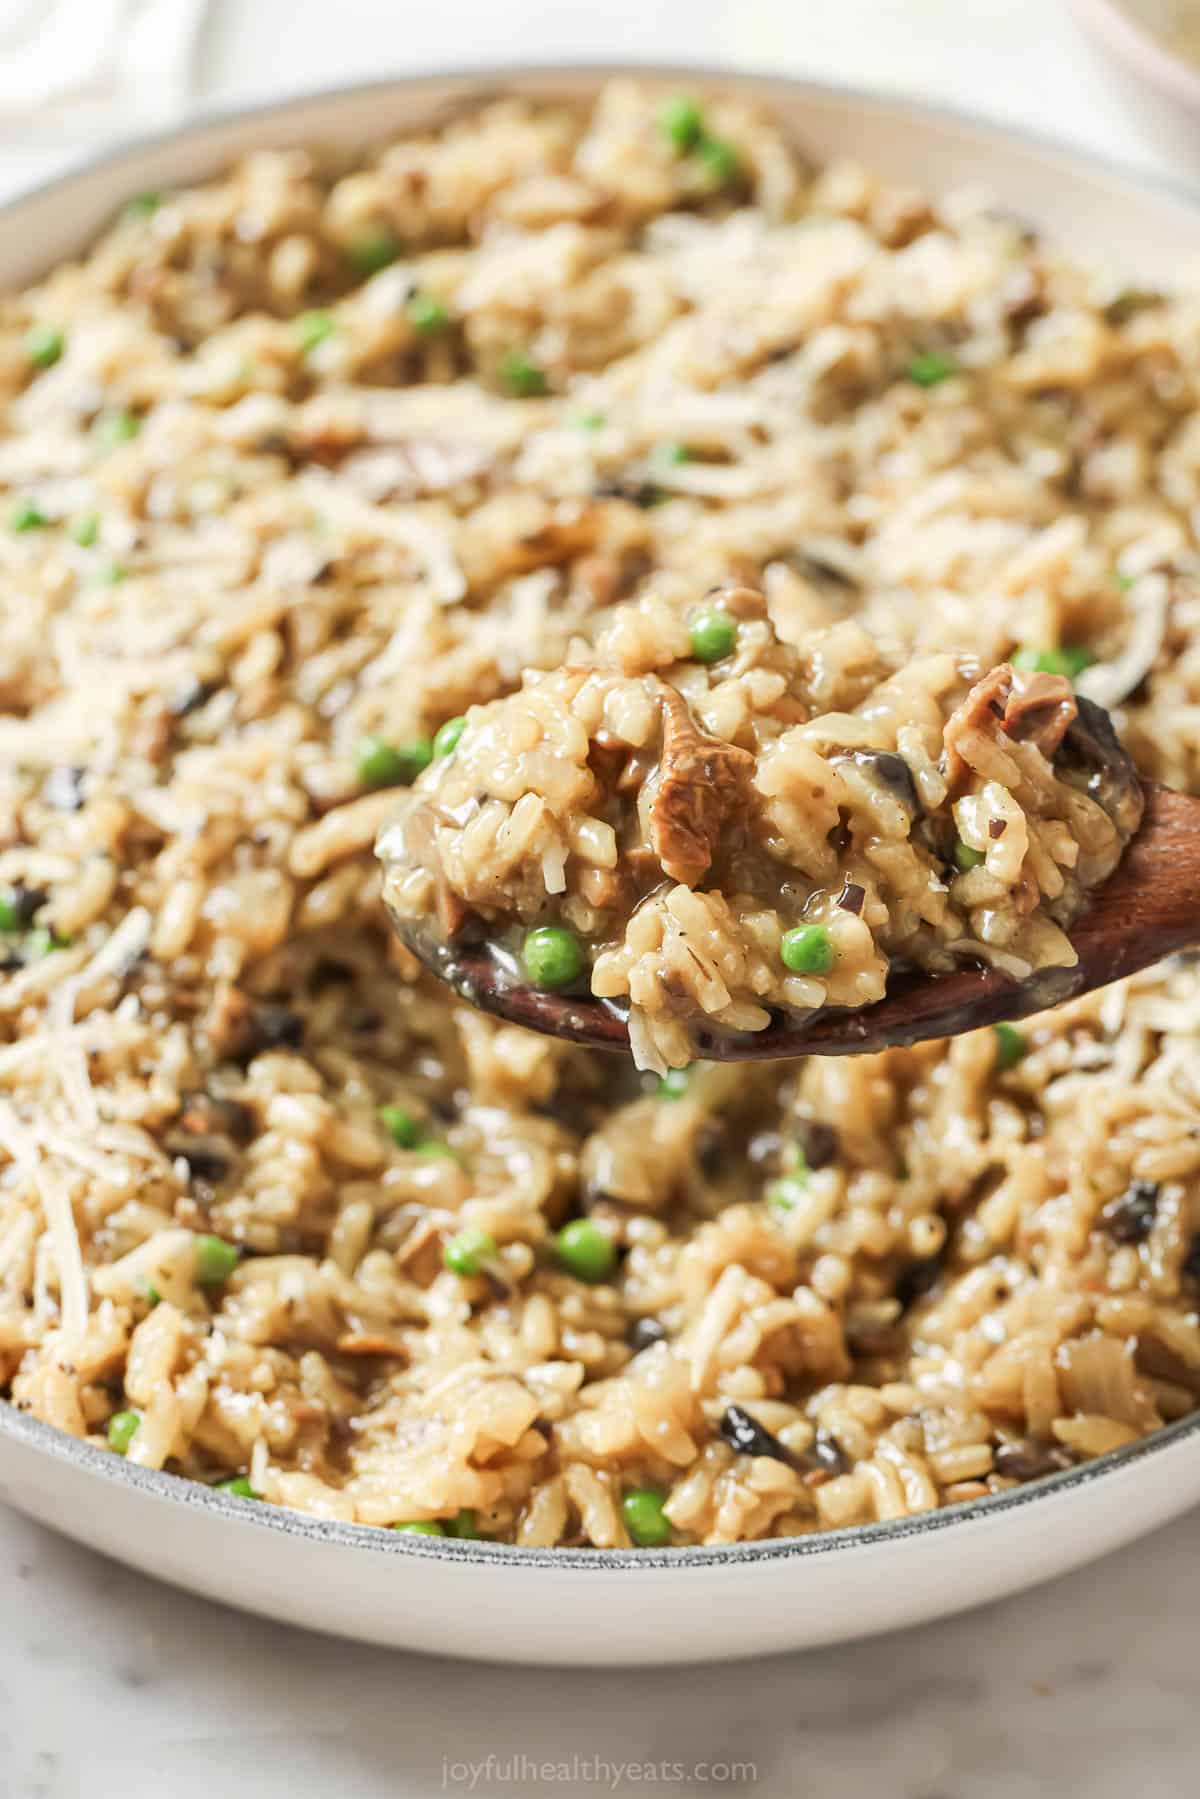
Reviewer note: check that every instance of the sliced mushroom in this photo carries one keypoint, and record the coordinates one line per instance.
(701, 783)
(1040, 710)
(890, 771)
(985, 704)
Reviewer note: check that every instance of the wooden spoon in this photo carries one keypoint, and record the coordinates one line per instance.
(1147, 909)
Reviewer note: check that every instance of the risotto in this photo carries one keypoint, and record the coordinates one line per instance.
(304, 465)
(715, 826)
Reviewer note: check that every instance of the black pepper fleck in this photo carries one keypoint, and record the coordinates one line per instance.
(710, 1150)
(825, 1454)
(205, 1161)
(644, 1332)
(326, 972)
(26, 901)
(209, 1114)
(1030, 1460)
(193, 694)
(749, 1437)
(892, 772)
(918, 1279)
(1130, 1218)
(279, 1027)
(638, 493)
(818, 1142)
(1191, 1261)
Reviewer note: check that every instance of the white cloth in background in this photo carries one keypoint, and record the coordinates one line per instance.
(76, 75)
(95, 67)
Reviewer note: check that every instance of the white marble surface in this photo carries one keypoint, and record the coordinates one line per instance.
(112, 1686)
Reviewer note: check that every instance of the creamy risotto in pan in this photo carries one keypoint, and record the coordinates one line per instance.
(306, 466)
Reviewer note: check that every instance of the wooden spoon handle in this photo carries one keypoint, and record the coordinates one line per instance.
(1150, 907)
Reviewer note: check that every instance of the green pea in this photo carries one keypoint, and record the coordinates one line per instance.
(312, 328)
(44, 344)
(115, 428)
(400, 1126)
(645, 1520)
(712, 634)
(215, 1260)
(238, 1485)
(797, 1163)
(435, 1150)
(426, 314)
(462, 1524)
(383, 764)
(420, 1527)
(25, 516)
(806, 949)
(553, 957)
(967, 858)
(522, 376)
(86, 529)
(785, 1194)
(674, 1084)
(468, 1251)
(720, 159)
(930, 367)
(446, 738)
(1068, 659)
(378, 250)
(682, 122)
(122, 1429)
(585, 1250)
(1011, 1046)
(143, 206)
(42, 941)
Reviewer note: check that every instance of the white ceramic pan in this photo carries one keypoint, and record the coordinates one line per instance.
(577, 1606)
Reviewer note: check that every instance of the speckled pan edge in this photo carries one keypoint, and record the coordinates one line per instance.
(175, 1490)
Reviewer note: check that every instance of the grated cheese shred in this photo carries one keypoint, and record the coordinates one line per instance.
(20, 1146)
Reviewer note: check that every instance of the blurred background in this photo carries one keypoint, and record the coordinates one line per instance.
(75, 73)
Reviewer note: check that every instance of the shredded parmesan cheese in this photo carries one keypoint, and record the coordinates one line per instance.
(17, 1142)
(1108, 683)
(71, 1057)
(122, 948)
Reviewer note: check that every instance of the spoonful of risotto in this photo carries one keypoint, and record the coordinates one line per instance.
(697, 839)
